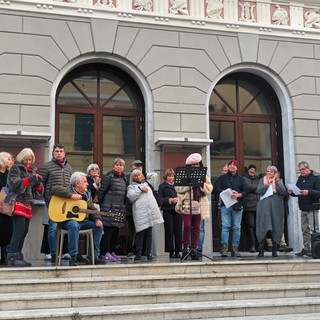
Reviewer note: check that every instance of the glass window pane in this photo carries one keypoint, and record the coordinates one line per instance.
(87, 83)
(76, 131)
(260, 164)
(70, 95)
(257, 139)
(79, 163)
(223, 135)
(217, 105)
(119, 135)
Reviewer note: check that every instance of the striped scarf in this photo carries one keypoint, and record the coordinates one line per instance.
(23, 209)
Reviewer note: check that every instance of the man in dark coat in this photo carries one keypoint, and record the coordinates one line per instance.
(309, 185)
(231, 216)
(250, 205)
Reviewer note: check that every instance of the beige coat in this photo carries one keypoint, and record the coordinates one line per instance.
(184, 198)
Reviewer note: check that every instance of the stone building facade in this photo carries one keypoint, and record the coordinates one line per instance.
(176, 51)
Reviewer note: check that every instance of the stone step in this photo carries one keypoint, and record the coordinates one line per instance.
(191, 310)
(299, 316)
(221, 266)
(154, 281)
(68, 299)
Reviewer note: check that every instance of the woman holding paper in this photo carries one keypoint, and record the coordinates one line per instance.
(270, 209)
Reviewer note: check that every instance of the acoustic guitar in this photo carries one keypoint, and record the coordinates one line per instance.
(63, 209)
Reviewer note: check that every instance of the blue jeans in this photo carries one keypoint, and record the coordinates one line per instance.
(230, 219)
(52, 237)
(73, 228)
(201, 237)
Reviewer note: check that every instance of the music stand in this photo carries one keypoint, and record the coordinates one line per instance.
(191, 177)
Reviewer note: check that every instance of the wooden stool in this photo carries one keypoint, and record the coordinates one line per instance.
(60, 239)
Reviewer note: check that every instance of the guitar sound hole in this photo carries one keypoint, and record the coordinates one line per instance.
(75, 209)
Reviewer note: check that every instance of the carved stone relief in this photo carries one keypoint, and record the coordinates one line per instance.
(247, 12)
(106, 3)
(312, 18)
(143, 5)
(179, 7)
(280, 16)
(214, 8)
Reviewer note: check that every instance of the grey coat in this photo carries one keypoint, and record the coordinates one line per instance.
(270, 212)
(145, 210)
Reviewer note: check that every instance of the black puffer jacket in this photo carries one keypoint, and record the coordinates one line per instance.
(54, 173)
(165, 192)
(111, 196)
(311, 183)
(251, 199)
(15, 182)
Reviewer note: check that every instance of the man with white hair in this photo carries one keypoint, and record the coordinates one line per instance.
(78, 191)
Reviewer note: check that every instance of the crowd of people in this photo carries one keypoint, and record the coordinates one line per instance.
(258, 202)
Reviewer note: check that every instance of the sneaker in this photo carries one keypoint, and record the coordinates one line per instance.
(149, 256)
(115, 256)
(47, 257)
(82, 259)
(177, 255)
(66, 256)
(130, 255)
(171, 255)
(252, 249)
(109, 257)
(304, 252)
(53, 258)
(73, 261)
(98, 260)
(285, 248)
(194, 255)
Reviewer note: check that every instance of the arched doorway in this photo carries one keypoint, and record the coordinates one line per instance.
(99, 116)
(245, 124)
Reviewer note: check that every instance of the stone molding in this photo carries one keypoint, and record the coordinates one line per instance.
(277, 18)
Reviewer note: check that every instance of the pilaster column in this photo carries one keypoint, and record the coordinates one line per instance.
(196, 8)
(296, 14)
(160, 7)
(231, 9)
(263, 12)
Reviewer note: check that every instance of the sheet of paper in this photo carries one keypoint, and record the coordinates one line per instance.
(225, 196)
(268, 193)
(294, 189)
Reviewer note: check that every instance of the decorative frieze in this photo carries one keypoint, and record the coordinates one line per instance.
(262, 13)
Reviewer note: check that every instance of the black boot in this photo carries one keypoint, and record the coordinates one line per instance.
(194, 254)
(4, 261)
(29, 264)
(261, 250)
(274, 249)
(14, 260)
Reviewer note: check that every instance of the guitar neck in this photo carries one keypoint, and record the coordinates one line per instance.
(97, 212)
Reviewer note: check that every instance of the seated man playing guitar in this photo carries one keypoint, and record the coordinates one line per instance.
(78, 192)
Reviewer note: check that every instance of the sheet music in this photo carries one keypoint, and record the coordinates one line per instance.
(294, 189)
(268, 193)
(225, 196)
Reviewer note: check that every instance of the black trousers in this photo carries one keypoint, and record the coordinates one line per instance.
(172, 231)
(20, 231)
(109, 240)
(141, 236)
(250, 222)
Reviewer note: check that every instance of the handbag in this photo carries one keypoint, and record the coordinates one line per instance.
(195, 207)
(38, 199)
(7, 201)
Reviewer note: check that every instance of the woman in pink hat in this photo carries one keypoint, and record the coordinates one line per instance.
(200, 208)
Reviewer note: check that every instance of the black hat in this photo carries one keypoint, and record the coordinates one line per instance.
(250, 166)
(137, 163)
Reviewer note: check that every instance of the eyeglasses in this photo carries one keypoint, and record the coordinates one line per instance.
(95, 168)
(58, 145)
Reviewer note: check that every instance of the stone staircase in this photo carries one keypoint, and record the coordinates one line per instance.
(226, 289)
